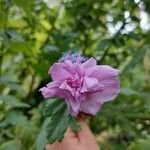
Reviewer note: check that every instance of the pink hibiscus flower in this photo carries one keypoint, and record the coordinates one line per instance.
(85, 86)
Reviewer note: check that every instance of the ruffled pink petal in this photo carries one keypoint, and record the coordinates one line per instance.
(66, 87)
(93, 101)
(50, 90)
(74, 106)
(109, 90)
(58, 73)
(101, 72)
(89, 63)
(69, 66)
(79, 69)
(88, 83)
(90, 105)
(66, 92)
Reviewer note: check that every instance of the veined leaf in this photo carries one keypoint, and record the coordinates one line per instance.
(73, 124)
(42, 136)
(60, 120)
(57, 121)
(49, 105)
(58, 124)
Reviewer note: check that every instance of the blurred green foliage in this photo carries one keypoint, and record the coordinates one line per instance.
(35, 33)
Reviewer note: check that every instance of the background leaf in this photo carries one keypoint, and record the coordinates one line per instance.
(10, 145)
(13, 101)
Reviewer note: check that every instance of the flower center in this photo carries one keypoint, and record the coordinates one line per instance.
(75, 82)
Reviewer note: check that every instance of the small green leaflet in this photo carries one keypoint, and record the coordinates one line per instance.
(42, 136)
(57, 120)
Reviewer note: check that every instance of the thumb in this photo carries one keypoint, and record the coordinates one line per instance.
(85, 130)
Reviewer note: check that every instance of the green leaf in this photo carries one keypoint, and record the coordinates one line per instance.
(20, 46)
(15, 118)
(16, 87)
(135, 59)
(2, 18)
(26, 6)
(11, 82)
(73, 124)
(49, 106)
(49, 48)
(128, 91)
(27, 134)
(56, 123)
(42, 136)
(14, 35)
(141, 144)
(5, 78)
(104, 44)
(12, 101)
(11, 145)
